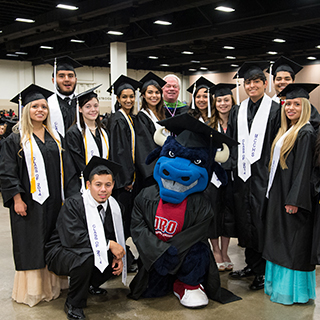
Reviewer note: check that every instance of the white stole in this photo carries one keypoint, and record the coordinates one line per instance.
(214, 179)
(250, 147)
(96, 232)
(90, 147)
(275, 160)
(56, 114)
(41, 192)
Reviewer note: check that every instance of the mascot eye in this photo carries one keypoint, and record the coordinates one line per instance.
(171, 154)
(197, 161)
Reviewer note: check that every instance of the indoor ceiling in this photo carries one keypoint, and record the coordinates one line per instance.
(196, 28)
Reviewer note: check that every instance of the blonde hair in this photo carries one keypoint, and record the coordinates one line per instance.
(291, 138)
(27, 126)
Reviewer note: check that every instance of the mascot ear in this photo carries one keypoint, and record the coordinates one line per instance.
(153, 155)
(221, 173)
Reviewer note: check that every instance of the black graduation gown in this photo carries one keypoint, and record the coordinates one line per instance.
(30, 233)
(68, 111)
(145, 129)
(69, 246)
(288, 237)
(120, 149)
(74, 140)
(249, 196)
(197, 217)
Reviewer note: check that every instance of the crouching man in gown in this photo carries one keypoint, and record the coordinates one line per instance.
(88, 244)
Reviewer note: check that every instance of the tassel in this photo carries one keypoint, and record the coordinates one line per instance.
(238, 93)
(20, 111)
(55, 75)
(270, 76)
(193, 103)
(138, 100)
(83, 186)
(209, 104)
(78, 116)
(113, 100)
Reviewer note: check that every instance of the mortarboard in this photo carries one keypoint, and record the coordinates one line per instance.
(222, 89)
(297, 90)
(64, 63)
(87, 94)
(285, 64)
(98, 164)
(250, 69)
(124, 82)
(152, 79)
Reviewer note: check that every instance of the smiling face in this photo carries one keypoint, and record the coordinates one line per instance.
(282, 79)
(224, 104)
(152, 96)
(66, 81)
(101, 187)
(293, 109)
(126, 99)
(201, 99)
(255, 88)
(38, 110)
(90, 110)
(171, 90)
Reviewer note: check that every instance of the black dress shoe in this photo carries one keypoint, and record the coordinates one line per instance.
(245, 272)
(96, 291)
(73, 313)
(257, 283)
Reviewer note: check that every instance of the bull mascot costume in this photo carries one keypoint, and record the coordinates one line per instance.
(170, 219)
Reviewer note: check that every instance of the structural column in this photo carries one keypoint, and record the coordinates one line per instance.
(118, 59)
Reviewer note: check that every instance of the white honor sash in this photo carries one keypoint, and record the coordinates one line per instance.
(90, 145)
(56, 115)
(250, 147)
(214, 179)
(275, 160)
(155, 120)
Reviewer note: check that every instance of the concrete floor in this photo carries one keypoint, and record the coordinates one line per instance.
(115, 305)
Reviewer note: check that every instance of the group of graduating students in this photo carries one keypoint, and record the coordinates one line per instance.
(267, 202)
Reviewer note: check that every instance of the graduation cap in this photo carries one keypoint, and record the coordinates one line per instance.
(285, 64)
(250, 69)
(152, 79)
(297, 90)
(222, 89)
(196, 86)
(122, 83)
(64, 63)
(31, 93)
(193, 133)
(88, 94)
(97, 164)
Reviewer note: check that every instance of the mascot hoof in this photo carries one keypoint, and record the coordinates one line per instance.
(190, 296)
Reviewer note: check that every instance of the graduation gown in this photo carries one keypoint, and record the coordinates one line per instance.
(74, 140)
(177, 109)
(121, 150)
(30, 233)
(145, 129)
(288, 237)
(249, 196)
(197, 217)
(69, 246)
(68, 112)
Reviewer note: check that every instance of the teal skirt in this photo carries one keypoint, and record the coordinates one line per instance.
(288, 286)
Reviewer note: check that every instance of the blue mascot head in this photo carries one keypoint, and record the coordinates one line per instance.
(186, 162)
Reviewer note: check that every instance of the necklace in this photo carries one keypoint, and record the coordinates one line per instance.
(175, 108)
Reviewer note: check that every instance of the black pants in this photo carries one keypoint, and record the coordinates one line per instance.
(255, 261)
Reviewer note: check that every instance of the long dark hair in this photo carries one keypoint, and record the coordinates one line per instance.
(159, 106)
(217, 115)
(117, 105)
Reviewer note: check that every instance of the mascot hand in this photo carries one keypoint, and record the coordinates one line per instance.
(167, 262)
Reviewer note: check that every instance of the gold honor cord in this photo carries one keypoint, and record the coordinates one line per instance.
(33, 187)
(105, 141)
(86, 148)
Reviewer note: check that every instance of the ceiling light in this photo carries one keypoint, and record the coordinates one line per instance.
(234, 65)
(224, 9)
(228, 47)
(67, 7)
(12, 55)
(22, 53)
(46, 47)
(312, 58)
(272, 52)
(25, 20)
(164, 65)
(115, 33)
(230, 57)
(318, 47)
(187, 52)
(279, 40)
(163, 23)
(203, 68)
(0, 31)
(195, 61)
(153, 57)
(192, 69)
(77, 41)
